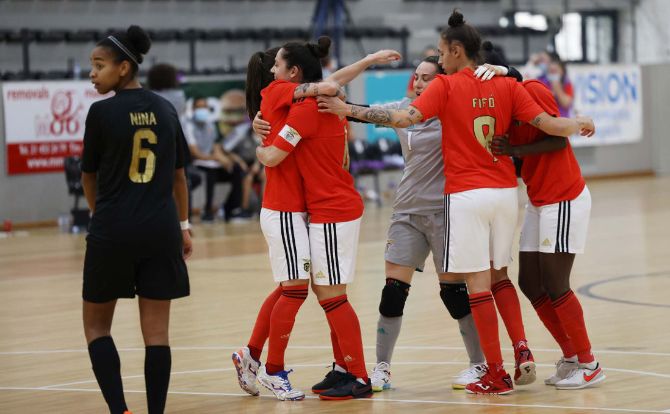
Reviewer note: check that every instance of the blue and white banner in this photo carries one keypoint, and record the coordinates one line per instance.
(612, 96)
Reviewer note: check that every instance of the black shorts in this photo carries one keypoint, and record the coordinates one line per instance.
(112, 272)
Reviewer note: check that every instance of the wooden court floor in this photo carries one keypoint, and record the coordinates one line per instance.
(623, 281)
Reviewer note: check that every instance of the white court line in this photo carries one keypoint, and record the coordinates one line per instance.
(371, 400)
(312, 347)
(409, 363)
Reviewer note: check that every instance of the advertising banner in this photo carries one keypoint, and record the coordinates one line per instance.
(44, 122)
(612, 96)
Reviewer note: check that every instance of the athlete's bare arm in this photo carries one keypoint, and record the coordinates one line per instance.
(270, 156)
(180, 194)
(398, 118)
(89, 185)
(500, 146)
(564, 127)
(348, 73)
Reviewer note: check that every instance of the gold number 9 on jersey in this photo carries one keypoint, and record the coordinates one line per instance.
(485, 138)
(142, 153)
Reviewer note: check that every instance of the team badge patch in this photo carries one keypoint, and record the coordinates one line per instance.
(290, 135)
(306, 265)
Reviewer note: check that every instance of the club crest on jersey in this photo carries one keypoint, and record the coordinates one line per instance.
(290, 135)
(306, 265)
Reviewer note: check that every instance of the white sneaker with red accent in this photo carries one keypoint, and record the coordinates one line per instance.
(564, 368)
(587, 375)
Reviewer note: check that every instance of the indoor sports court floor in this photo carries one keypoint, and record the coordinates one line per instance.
(623, 282)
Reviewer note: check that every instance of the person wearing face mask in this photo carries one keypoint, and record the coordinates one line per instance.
(209, 157)
(556, 79)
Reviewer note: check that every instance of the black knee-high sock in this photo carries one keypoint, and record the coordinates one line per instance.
(107, 368)
(157, 366)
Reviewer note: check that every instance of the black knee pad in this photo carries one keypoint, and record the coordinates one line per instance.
(456, 299)
(394, 296)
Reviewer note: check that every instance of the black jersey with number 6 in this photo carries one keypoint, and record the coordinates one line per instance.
(134, 142)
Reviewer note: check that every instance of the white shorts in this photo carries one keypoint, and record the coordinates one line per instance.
(334, 247)
(557, 228)
(480, 226)
(288, 242)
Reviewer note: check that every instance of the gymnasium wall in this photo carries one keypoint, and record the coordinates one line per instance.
(40, 197)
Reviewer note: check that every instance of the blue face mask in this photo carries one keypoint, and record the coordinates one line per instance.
(543, 67)
(201, 115)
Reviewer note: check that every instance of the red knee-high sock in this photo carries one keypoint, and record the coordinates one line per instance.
(337, 352)
(484, 313)
(281, 325)
(507, 302)
(262, 326)
(549, 318)
(344, 321)
(569, 311)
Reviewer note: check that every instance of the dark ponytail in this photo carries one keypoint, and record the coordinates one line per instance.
(435, 60)
(258, 77)
(466, 35)
(130, 45)
(307, 57)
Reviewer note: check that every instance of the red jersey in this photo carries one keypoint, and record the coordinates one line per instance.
(471, 113)
(553, 176)
(283, 185)
(320, 144)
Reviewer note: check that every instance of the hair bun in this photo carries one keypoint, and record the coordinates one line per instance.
(487, 46)
(456, 19)
(321, 48)
(139, 41)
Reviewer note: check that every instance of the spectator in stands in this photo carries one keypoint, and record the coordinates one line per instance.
(202, 137)
(162, 79)
(549, 69)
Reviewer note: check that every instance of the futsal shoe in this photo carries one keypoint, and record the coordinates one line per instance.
(247, 369)
(499, 383)
(332, 379)
(380, 377)
(564, 368)
(280, 385)
(349, 388)
(587, 375)
(524, 366)
(465, 377)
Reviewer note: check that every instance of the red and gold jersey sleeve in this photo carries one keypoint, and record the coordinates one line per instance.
(432, 100)
(302, 122)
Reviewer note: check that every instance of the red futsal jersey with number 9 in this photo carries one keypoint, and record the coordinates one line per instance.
(471, 113)
(283, 186)
(319, 143)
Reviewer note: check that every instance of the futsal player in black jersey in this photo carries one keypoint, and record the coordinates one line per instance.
(134, 182)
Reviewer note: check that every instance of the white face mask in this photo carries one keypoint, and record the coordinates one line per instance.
(201, 115)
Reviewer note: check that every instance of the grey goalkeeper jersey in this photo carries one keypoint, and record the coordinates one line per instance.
(421, 188)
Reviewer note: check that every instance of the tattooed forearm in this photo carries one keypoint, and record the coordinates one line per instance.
(300, 91)
(377, 116)
(536, 122)
(315, 88)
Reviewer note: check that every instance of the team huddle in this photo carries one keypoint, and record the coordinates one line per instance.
(457, 199)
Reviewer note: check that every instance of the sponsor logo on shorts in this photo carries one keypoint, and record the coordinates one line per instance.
(389, 243)
(546, 243)
(320, 275)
